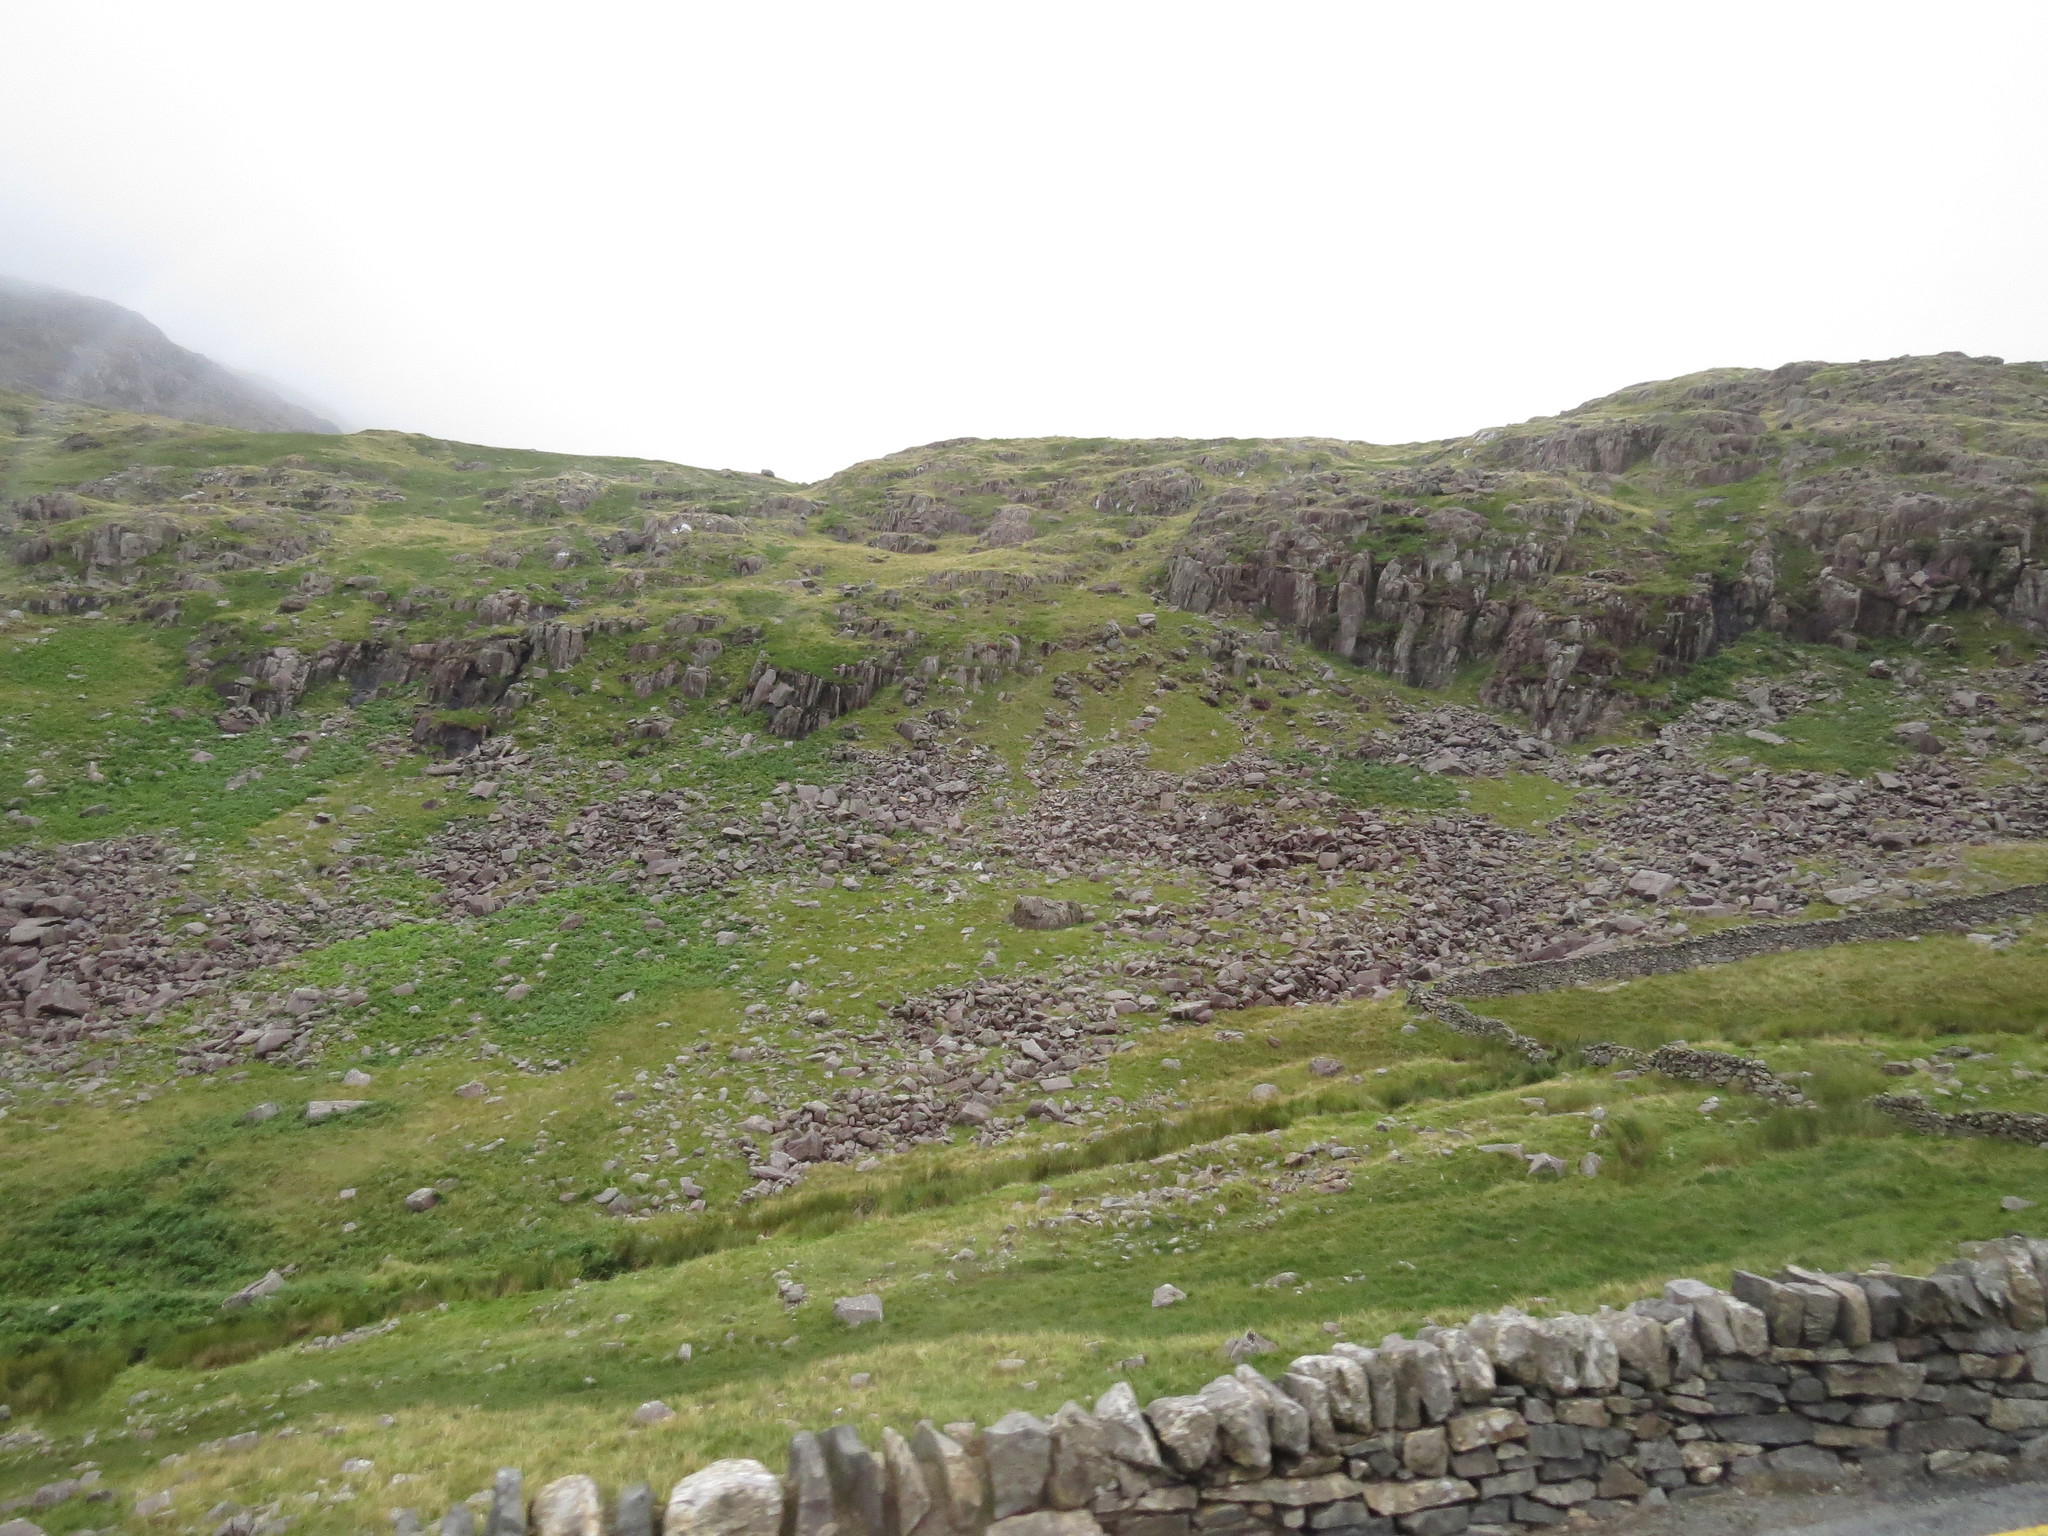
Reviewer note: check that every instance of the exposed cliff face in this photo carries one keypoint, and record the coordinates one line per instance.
(1573, 557)
(64, 346)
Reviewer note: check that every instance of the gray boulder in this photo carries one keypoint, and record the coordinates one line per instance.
(1044, 913)
(855, 1310)
(256, 1290)
(327, 1109)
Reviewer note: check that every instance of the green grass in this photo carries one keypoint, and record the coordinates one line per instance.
(1904, 991)
(1389, 784)
(1851, 736)
(1521, 799)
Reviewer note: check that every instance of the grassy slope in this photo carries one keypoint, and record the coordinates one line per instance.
(1429, 1227)
(127, 1218)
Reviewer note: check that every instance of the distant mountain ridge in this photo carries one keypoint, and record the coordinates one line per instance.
(65, 346)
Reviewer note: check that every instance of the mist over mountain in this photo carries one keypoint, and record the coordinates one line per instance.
(66, 346)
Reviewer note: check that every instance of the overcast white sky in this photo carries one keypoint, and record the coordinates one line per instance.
(790, 236)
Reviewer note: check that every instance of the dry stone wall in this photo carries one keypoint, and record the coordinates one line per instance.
(1509, 1423)
(1750, 941)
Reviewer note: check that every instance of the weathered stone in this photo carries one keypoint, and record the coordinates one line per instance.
(1804, 1464)
(855, 1310)
(1125, 1433)
(1186, 1427)
(1900, 1381)
(952, 1480)
(1765, 1428)
(508, 1504)
(1564, 1495)
(909, 1499)
(327, 1109)
(1242, 1433)
(1349, 1390)
(1044, 913)
(2017, 1415)
(1292, 1492)
(1287, 1425)
(1017, 1450)
(1425, 1452)
(1047, 1522)
(856, 1475)
(633, 1515)
(1618, 1482)
(735, 1497)
(1726, 1326)
(1484, 1426)
(256, 1290)
(569, 1506)
(1637, 1341)
(1782, 1308)
(1949, 1434)
(1314, 1399)
(1423, 1493)
(1081, 1464)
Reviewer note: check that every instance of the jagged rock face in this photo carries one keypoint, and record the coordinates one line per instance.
(1416, 591)
(1878, 488)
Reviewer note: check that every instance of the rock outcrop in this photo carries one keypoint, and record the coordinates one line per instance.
(1874, 513)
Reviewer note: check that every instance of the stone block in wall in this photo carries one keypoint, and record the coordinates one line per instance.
(1126, 1435)
(1287, 1421)
(857, 1489)
(1885, 1381)
(1243, 1435)
(810, 1488)
(909, 1501)
(1346, 1515)
(1529, 1512)
(1186, 1429)
(1047, 1522)
(1147, 1525)
(951, 1477)
(569, 1506)
(1423, 1493)
(1426, 1452)
(1447, 1521)
(1944, 1434)
(2014, 1415)
(1506, 1484)
(1485, 1426)
(1017, 1450)
(1847, 1437)
(508, 1505)
(736, 1497)
(1288, 1492)
(1766, 1429)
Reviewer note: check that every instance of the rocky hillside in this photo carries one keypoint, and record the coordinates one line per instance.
(496, 943)
(1580, 562)
(64, 346)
